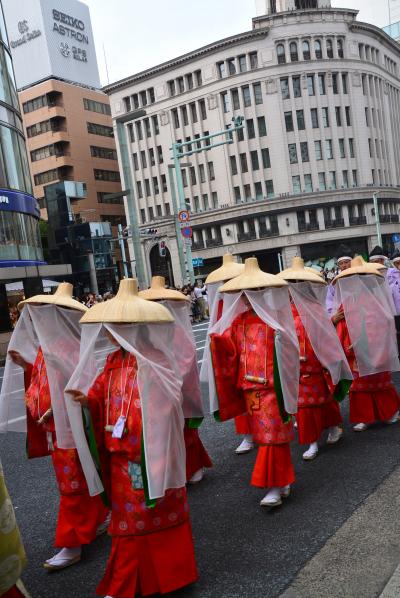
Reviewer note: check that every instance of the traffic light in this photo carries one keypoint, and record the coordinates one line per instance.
(162, 250)
(149, 231)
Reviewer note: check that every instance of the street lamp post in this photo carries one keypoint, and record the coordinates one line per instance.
(178, 152)
(377, 219)
(130, 194)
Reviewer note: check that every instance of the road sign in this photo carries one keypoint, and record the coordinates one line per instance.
(187, 232)
(187, 242)
(183, 216)
(198, 262)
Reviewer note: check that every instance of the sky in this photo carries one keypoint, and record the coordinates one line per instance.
(135, 35)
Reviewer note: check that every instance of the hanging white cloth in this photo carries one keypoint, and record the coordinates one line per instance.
(160, 387)
(370, 323)
(309, 299)
(273, 307)
(207, 380)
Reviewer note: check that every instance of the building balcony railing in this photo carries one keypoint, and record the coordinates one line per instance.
(388, 218)
(268, 232)
(357, 220)
(217, 242)
(339, 223)
(249, 236)
(308, 226)
(196, 245)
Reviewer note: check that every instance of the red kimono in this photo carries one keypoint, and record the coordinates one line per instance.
(317, 408)
(372, 398)
(79, 514)
(152, 548)
(196, 453)
(246, 350)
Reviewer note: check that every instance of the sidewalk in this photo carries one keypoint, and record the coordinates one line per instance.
(362, 558)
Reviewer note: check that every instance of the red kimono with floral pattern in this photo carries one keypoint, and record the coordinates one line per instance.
(243, 351)
(372, 398)
(152, 548)
(317, 408)
(79, 514)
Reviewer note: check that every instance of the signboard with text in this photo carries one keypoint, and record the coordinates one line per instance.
(49, 39)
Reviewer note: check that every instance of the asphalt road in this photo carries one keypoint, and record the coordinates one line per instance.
(242, 550)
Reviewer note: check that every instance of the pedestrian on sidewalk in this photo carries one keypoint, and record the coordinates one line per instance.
(366, 329)
(323, 364)
(255, 356)
(199, 291)
(45, 347)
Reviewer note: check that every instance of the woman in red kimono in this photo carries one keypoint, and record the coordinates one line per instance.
(80, 517)
(373, 397)
(152, 547)
(197, 458)
(317, 408)
(243, 361)
(230, 269)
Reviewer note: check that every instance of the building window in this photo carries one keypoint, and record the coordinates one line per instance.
(152, 97)
(258, 99)
(39, 128)
(296, 184)
(251, 133)
(329, 149)
(225, 101)
(139, 130)
(265, 158)
(301, 125)
(325, 117)
(151, 213)
(321, 181)
(306, 50)
(143, 159)
(289, 121)
(233, 163)
(321, 84)
(184, 178)
(171, 88)
(143, 98)
(262, 127)
(131, 133)
(318, 49)
(304, 151)
(242, 63)
(94, 106)
(340, 48)
(296, 87)
(335, 88)
(203, 111)
(292, 153)
(308, 186)
(345, 178)
(205, 201)
(111, 176)
(269, 185)
(164, 187)
(310, 85)
(285, 88)
(189, 80)
(34, 104)
(135, 161)
(127, 104)
(235, 99)
(135, 100)
(253, 60)
(259, 191)
(221, 69)
(318, 150)
(175, 118)
(160, 156)
(214, 198)
(231, 66)
(280, 52)
(156, 128)
(96, 129)
(46, 177)
(351, 148)
(255, 165)
(348, 116)
(294, 56)
(236, 191)
(184, 115)
(143, 215)
(342, 151)
(211, 172)
(355, 180)
(43, 152)
(139, 189)
(243, 163)
(314, 118)
(199, 78)
(146, 124)
(246, 96)
(202, 172)
(338, 112)
(156, 188)
(103, 152)
(152, 159)
(332, 180)
(329, 48)
(344, 83)
(147, 187)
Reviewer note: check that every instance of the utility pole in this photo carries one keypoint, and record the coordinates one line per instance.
(377, 219)
(121, 241)
(179, 240)
(183, 150)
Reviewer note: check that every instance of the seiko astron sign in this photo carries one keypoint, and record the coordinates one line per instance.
(51, 38)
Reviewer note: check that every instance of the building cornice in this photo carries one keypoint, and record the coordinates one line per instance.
(361, 27)
(296, 14)
(186, 58)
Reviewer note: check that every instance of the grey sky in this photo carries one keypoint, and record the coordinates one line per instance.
(139, 34)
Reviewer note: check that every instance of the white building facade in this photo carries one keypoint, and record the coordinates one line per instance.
(320, 96)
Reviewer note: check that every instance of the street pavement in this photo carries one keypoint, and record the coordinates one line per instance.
(337, 534)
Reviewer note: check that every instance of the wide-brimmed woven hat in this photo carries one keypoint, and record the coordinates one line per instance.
(127, 307)
(299, 272)
(252, 278)
(229, 269)
(62, 297)
(158, 292)
(360, 266)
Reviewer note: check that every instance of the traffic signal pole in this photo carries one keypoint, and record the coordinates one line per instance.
(179, 239)
(178, 152)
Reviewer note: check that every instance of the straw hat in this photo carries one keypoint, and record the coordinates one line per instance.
(299, 272)
(229, 269)
(252, 278)
(158, 292)
(360, 266)
(127, 307)
(62, 297)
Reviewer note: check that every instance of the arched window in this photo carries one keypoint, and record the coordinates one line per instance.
(280, 51)
(294, 56)
(306, 50)
(329, 48)
(318, 49)
(340, 48)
